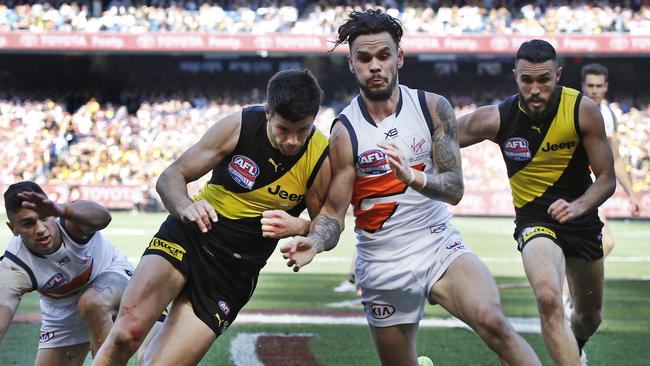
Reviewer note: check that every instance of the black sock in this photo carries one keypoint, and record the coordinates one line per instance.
(581, 344)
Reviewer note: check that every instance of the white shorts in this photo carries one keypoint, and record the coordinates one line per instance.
(62, 324)
(394, 292)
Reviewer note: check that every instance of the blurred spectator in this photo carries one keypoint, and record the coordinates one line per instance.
(323, 17)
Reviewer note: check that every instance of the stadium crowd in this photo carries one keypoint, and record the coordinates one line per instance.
(322, 17)
(104, 144)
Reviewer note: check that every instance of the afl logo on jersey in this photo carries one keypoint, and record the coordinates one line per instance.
(516, 148)
(373, 162)
(243, 171)
(55, 281)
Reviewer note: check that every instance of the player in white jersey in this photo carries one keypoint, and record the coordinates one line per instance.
(595, 85)
(58, 250)
(394, 154)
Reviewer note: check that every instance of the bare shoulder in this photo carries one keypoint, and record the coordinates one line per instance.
(440, 108)
(589, 113)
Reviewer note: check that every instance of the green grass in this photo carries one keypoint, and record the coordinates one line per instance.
(621, 340)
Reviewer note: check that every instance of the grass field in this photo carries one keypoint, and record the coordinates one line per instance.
(621, 340)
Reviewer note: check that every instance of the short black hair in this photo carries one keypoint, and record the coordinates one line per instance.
(294, 94)
(13, 203)
(536, 51)
(594, 69)
(369, 22)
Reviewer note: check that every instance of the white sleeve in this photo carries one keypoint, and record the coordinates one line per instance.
(14, 282)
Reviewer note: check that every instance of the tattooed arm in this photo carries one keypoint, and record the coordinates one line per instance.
(327, 226)
(447, 183)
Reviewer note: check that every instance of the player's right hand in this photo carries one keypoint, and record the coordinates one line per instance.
(298, 252)
(201, 213)
(635, 207)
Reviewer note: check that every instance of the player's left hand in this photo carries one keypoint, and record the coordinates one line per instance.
(278, 224)
(563, 211)
(41, 204)
(298, 252)
(397, 161)
(635, 206)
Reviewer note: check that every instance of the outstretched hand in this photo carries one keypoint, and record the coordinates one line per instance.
(43, 206)
(298, 252)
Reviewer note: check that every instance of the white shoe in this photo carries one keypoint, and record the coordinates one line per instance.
(345, 286)
(583, 359)
(568, 308)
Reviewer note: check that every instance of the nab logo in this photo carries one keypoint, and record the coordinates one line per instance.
(391, 133)
(516, 148)
(563, 145)
(381, 311)
(373, 162)
(243, 171)
(54, 282)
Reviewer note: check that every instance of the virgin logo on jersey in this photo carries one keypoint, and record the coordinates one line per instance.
(373, 162)
(55, 281)
(516, 148)
(243, 171)
(380, 311)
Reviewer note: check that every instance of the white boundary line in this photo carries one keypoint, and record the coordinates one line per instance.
(523, 325)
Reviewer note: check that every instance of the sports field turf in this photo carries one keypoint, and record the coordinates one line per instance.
(303, 304)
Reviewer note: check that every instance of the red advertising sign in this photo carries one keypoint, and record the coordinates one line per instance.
(610, 44)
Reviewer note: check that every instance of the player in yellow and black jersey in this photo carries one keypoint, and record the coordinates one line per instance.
(268, 162)
(549, 136)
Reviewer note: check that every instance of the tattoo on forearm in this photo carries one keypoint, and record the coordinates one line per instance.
(448, 181)
(326, 231)
(111, 283)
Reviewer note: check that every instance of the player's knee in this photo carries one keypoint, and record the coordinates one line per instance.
(590, 319)
(128, 333)
(93, 306)
(549, 300)
(492, 323)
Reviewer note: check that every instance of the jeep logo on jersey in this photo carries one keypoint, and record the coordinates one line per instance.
(563, 145)
(516, 148)
(284, 194)
(54, 282)
(243, 171)
(381, 311)
(373, 162)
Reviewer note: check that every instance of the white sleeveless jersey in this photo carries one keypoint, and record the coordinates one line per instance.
(608, 117)
(60, 275)
(392, 220)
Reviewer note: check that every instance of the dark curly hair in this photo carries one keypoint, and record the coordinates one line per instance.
(368, 22)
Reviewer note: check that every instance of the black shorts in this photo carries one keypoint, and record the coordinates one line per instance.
(218, 283)
(585, 243)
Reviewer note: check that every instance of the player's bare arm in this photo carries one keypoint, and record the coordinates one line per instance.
(592, 129)
(481, 124)
(82, 218)
(279, 224)
(199, 159)
(327, 226)
(14, 283)
(623, 176)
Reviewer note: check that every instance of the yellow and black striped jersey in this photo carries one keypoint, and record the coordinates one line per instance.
(256, 177)
(545, 159)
